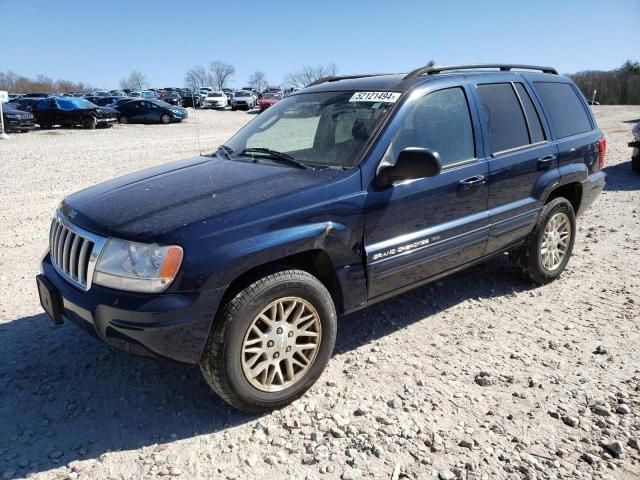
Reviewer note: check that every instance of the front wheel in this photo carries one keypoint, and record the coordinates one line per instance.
(165, 118)
(271, 341)
(635, 163)
(123, 120)
(548, 247)
(89, 123)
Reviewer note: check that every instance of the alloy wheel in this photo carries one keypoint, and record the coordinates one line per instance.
(555, 241)
(281, 344)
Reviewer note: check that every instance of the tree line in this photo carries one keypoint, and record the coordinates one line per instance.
(620, 86)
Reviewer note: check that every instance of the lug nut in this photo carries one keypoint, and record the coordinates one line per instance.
(270, 343)
(288, 349)
(279, 331)
(276, 355)
(290, 334)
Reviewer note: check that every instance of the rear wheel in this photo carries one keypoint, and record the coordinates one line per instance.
(89, 123)
(271, 341)
(165, 118)
(124, 120)
(548, 247)
(635, 163)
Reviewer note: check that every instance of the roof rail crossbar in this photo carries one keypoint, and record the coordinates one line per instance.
(335, 78)
(504, 67)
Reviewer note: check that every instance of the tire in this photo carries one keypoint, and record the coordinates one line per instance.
(530, 260)
(635, 163)
(89, 123)
(124, 120)
(165, 118)
(225, 362)
(234, 108)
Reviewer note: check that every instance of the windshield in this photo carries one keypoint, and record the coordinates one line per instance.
(73, 103)
(215, 95)
(241, 94)
(160, 103)
(271, 96)
(318, 129)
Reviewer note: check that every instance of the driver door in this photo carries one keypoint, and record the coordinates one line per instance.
(416, 229)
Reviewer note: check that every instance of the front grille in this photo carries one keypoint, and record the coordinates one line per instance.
(73, 251)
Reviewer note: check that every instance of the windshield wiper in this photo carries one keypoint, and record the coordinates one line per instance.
(276, 156)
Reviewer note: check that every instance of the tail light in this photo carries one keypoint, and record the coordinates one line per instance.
(602, 150)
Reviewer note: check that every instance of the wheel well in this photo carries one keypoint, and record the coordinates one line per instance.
(571, 191)
(314, 262)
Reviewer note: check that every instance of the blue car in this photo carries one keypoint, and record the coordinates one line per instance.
(348, 192)
(150, 111)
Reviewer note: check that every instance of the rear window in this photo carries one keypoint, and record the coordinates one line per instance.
(504, 115)
(567, 112)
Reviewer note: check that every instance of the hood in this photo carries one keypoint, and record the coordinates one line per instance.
(107, 111)
(150, 204)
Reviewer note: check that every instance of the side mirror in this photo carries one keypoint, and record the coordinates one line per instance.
(412, 163)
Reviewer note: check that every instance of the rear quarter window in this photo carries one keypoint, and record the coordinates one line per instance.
(507, 124)
(567, 113)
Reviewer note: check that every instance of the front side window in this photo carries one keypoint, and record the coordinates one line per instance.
(319, 129)
(441, 122)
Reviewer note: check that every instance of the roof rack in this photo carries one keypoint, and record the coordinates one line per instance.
(504, 67)
(334, 78)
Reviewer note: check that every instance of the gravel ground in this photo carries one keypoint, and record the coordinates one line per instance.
(480, 375)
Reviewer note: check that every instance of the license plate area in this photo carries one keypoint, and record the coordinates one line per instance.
(50, 299)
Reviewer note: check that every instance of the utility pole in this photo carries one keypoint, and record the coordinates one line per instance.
(4, 97)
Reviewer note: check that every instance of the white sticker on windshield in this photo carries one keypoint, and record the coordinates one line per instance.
(386, 97)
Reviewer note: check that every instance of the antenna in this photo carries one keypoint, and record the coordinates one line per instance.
(195, 120)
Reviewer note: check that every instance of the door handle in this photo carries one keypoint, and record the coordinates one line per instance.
(546, 161)
(471, 182)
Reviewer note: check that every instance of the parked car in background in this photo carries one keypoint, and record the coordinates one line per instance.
(135, 94)
(150, 111)
(243, 99)
(106, 101)
(16, 120)
(117, 93)
(71, 111)
(635, 155)
(149, 94)
(172, 97)
(215, 100)
(25, 103)
(37, 95)
(229, 94)
(268, 99)
(191, 99)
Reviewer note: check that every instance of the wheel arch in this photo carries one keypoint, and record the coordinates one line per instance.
(571, 191)
(316, 262)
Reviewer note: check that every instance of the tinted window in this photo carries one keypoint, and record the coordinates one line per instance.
(535, 127)
(506, 121)
(564, 107)
(440, 121)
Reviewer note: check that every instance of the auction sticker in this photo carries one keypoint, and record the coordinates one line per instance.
(385, 97)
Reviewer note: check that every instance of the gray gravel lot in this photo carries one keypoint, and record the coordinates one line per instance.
(478, 376)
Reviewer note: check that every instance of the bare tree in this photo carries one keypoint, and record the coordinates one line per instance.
(19, 84)
(198, 77)
(309, 74)
(135, 81)
(258, 80)
(221, 72)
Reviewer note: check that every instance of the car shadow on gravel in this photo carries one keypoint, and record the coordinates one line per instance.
(493, 278)
(620, 177)
(65, 396)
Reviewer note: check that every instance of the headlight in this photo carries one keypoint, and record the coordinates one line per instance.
(137, 267)
(177, 112)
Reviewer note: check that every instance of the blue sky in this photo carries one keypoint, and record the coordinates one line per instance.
(101, 42)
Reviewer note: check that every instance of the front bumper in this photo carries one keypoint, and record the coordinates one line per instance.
(172, 326)
(591, 188)
(19, 124)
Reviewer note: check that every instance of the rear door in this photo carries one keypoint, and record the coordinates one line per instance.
(416, 229)
(522, 160)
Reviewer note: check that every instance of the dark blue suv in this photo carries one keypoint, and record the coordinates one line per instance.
(348, 192)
